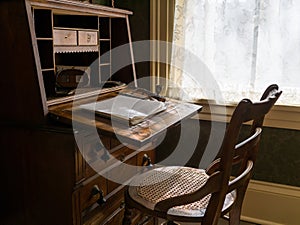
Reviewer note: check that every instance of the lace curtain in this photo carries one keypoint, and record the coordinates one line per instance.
(231, 49)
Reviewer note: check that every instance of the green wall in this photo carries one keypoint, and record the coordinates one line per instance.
(278, 159)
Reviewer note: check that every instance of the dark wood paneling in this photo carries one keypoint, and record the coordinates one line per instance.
(140, 31)
(21, 89)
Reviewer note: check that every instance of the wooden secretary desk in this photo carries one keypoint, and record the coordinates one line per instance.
(51, 172)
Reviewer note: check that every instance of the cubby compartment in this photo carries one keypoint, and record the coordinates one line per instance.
(75, 21)
(104, 28)
(49, 82)
(43, 23)
(76, 59)
(105, 52)
(83, 61)
(105, 73)
(46, 50)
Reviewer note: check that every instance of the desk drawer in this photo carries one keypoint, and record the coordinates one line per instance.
(99, 158)
(89, 194)
(64, 37)
(95, 154)
(121, 174)
(104, 213)
(87, 37)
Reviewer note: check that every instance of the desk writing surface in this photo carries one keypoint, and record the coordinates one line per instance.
(139, 134)
(125, 109)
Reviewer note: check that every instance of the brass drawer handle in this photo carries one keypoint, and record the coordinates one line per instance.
(105, 156)
(146, 160)
(95, 191)
(98, 148)
(89, 37)
(122, 157)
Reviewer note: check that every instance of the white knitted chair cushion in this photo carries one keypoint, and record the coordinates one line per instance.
(162, 183)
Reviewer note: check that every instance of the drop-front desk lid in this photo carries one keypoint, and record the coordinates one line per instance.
(83, 115)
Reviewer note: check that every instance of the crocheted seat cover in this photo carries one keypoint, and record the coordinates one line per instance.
(162, 183)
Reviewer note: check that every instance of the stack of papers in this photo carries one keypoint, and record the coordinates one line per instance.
(125, 108)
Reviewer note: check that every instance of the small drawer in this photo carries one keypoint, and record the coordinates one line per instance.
(105, 213)
(90, 193)
(98, 158)
(64, 37)
(95, 154)
(121, 173)
(87, 37)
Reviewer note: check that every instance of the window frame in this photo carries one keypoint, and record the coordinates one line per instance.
(161, 27)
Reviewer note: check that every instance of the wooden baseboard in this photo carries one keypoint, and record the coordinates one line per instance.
(271, 204)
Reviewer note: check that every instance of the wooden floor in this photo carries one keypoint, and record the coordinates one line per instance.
(222, 222)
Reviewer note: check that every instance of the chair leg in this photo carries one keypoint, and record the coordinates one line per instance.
(127, 219)
(128, 211)
(235, 212)
(234, 218)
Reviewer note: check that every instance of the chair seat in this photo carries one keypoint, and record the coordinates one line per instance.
(162, 183)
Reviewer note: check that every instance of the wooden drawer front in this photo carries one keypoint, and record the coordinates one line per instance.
(104, 213)
(64, 37)
(122, 153)
(87, 37)
(116, 218)
(88, 194)
(121, 174)
(111, 213)
(98, 158)
(95, 155)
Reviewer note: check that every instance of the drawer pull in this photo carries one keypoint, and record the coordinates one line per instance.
(96, 191)
(122, 157)
(146, 160)
(97, 146)
(89, 37)
(122, 205)
(105, 157)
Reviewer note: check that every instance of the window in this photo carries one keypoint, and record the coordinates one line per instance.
(242, 46)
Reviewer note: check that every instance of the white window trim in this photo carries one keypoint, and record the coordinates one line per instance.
(280, 116)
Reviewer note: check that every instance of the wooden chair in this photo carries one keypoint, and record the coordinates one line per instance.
(187, 194)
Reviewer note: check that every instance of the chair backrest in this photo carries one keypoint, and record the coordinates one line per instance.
(239, 152)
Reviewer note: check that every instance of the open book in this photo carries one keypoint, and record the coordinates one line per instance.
(125, 108)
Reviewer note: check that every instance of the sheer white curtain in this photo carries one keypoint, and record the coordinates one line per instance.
(245, 46)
